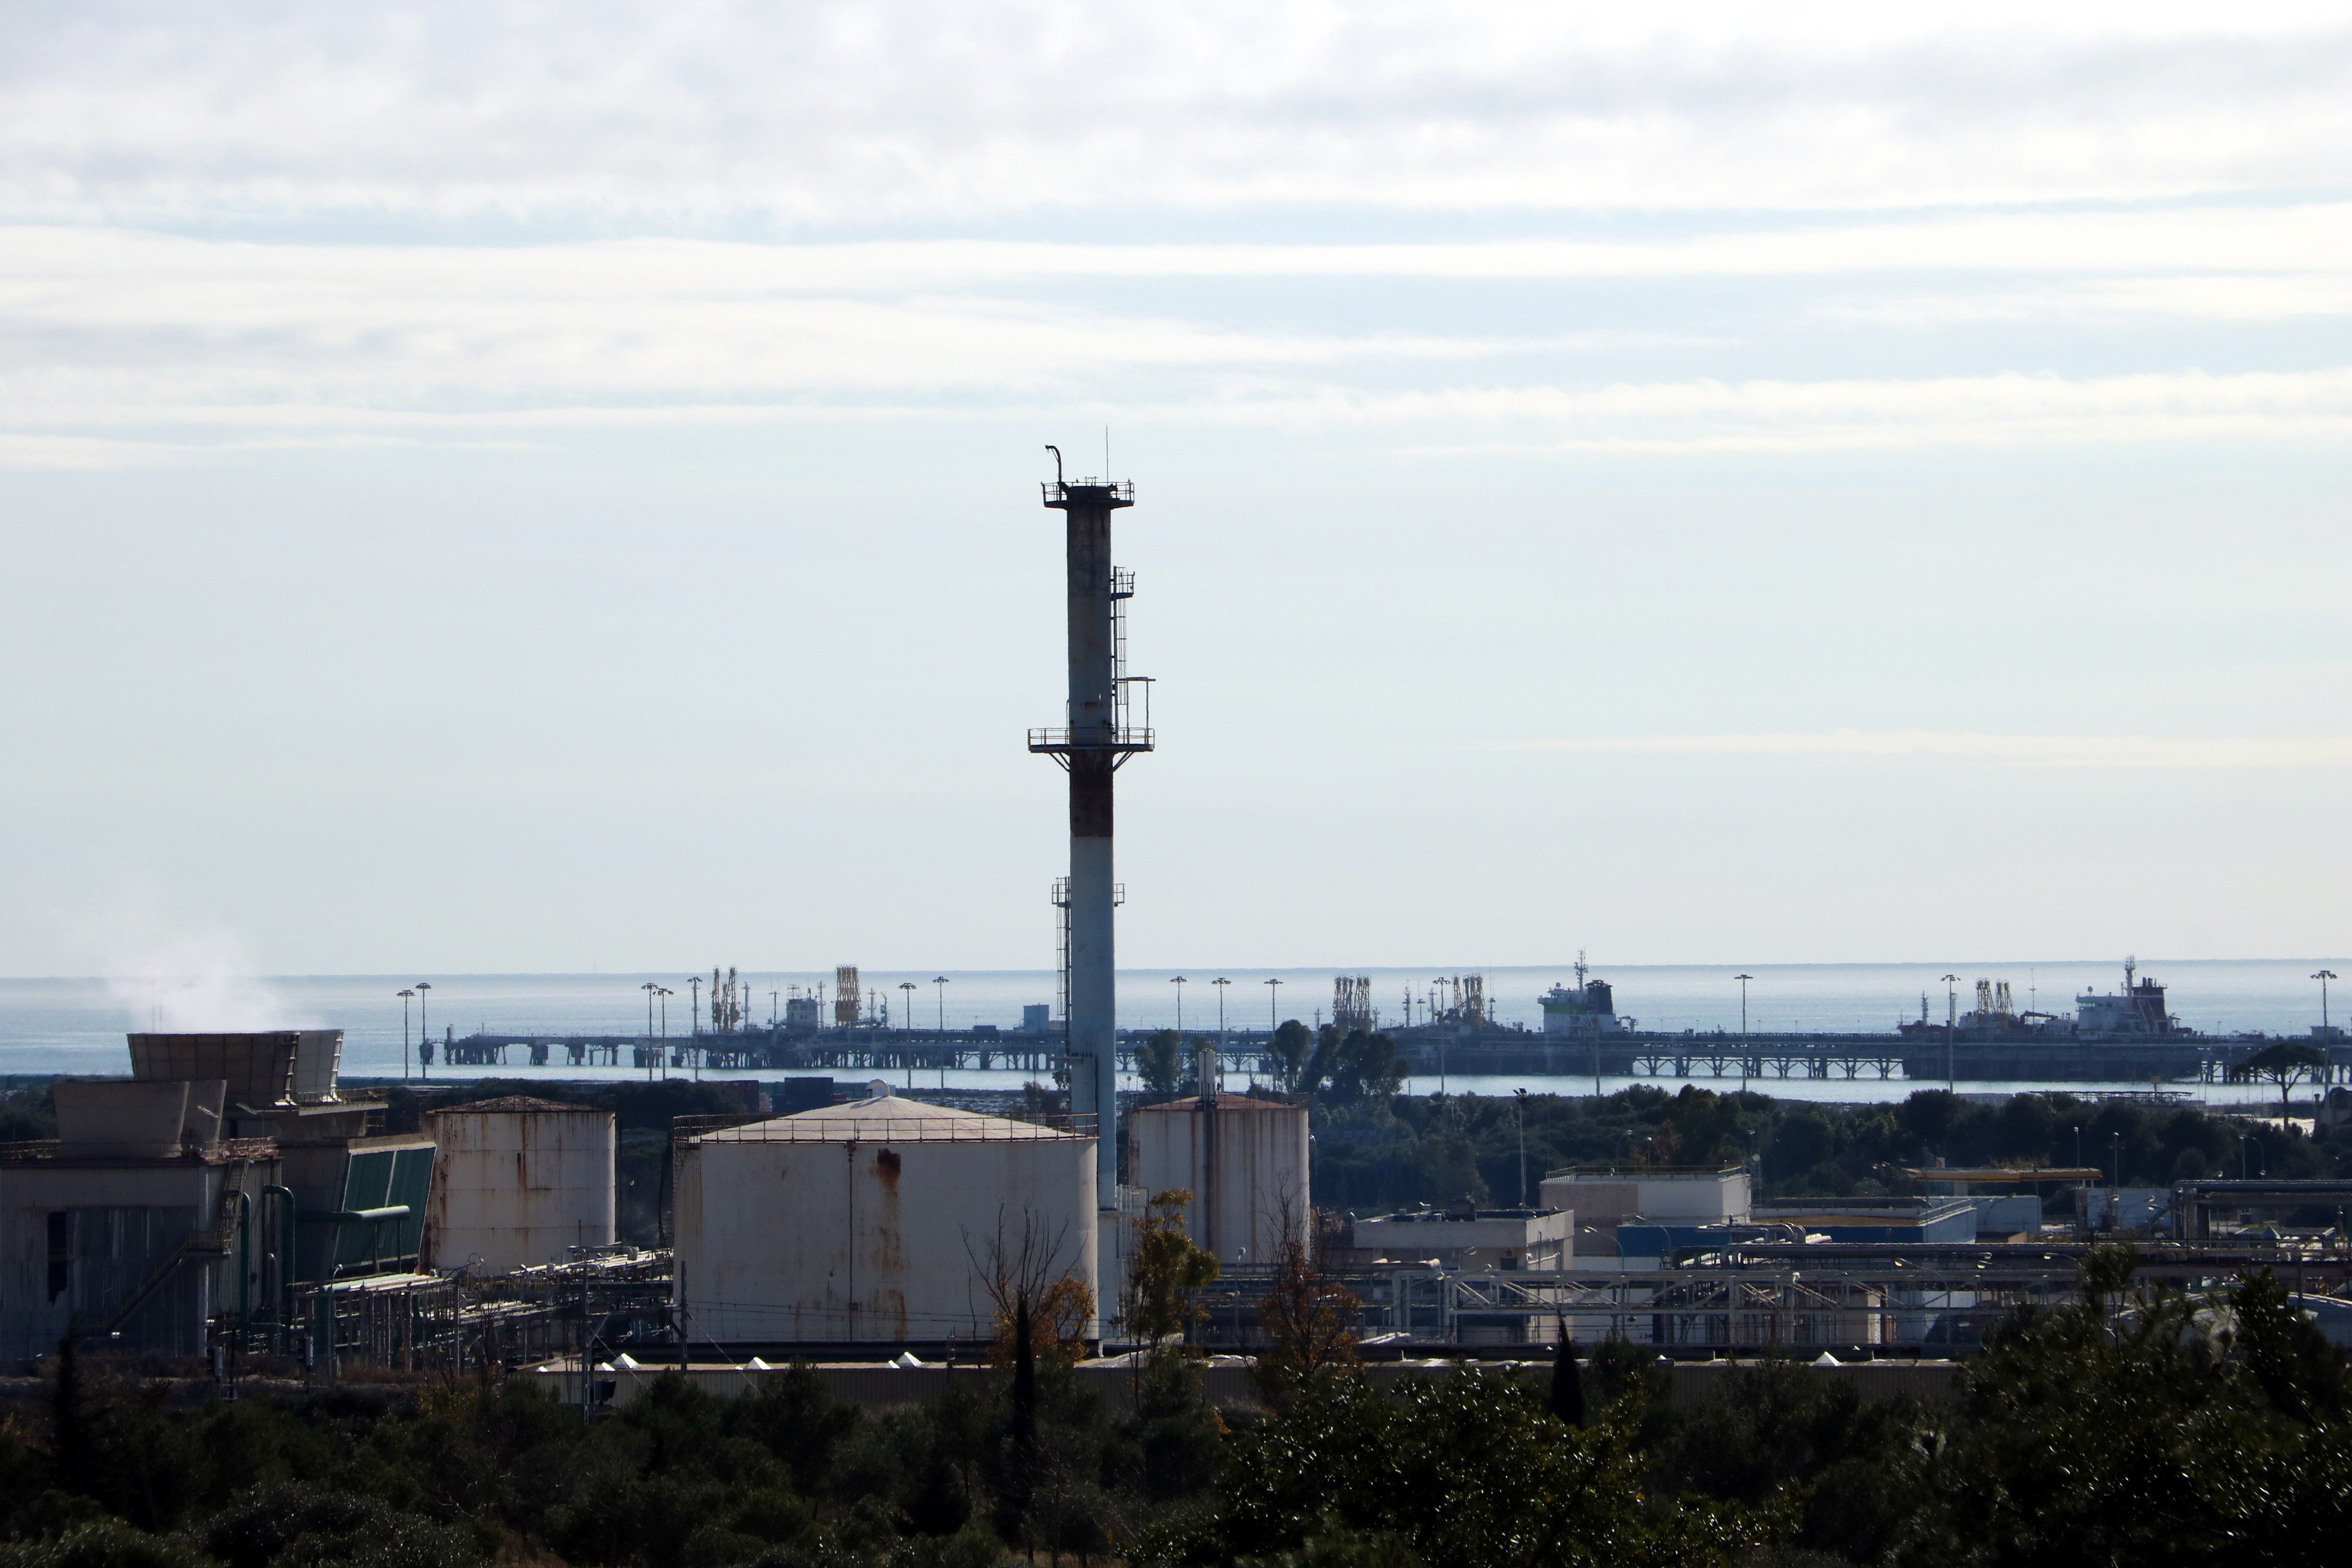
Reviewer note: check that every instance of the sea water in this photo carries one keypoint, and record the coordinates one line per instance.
(77, 1026)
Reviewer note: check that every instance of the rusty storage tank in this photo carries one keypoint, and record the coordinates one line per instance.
(518, 1182)
(880, 1221)
(1244, 1161)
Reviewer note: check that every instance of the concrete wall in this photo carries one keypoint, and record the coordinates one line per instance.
(873, 1239)
(512, 1188)
(1252, 1194)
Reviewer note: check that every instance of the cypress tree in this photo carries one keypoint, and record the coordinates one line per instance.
(1567, 1386)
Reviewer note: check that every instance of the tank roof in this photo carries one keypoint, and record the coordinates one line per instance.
(1227, 1101)
(886, 1116)
(518, 1105)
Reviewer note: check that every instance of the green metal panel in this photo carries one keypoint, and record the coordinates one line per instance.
(382, 1178)
(411, 1184)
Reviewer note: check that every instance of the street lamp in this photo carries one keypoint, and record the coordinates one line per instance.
(1519, 1101)
(1951, 1029)
(661, 1051)
(2324, 976)
(403, 996)
(1270, 1004)
(1220, 983)
(908, 1007)
(649, 988)
(424, 1029)
(1743, 980)
(1178, 982)
(940, 982)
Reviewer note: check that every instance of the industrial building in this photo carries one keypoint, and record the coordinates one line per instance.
(518, 1181)
(881, 1221)
(128, 1228)
(1243, 1159)
(209, 1191)
(1711, 1195)
(1463, 1236)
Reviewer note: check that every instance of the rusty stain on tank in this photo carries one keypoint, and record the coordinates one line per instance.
(887, 1297)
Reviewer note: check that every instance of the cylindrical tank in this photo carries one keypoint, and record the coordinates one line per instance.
(518, 1181)
(885, 1220)
(1244, 1161)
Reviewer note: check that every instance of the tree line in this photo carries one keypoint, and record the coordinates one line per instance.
(1371, 1154)
(2124, 1426)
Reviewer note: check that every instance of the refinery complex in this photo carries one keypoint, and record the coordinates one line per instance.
(231, 1197)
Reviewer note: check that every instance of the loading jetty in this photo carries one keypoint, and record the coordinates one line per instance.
(1430, 1053)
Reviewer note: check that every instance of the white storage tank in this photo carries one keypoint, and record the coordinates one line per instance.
(518, 1182)
(874, 1222)
(1244, 1162)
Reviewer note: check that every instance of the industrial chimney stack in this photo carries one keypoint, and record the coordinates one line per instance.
(1096, 741)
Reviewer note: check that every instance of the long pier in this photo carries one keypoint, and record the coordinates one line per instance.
(1429, 1054)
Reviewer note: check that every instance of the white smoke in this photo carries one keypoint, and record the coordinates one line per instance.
(197, 979)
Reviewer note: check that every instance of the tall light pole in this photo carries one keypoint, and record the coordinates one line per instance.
(423, 1030)
(907, 1005)
(1272, 992)
(1951, 1030)
(694, 1014)
(1743, 980)
(1520, 1099)
(649, 988)
(661, 1051)
(2324, 976)
(941, 982)
(1178, 982)
(1220, 983)
(405, 995)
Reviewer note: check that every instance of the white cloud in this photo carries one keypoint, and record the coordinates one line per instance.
(2163, 751)
(898, 110)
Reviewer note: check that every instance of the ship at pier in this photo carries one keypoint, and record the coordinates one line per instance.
(2138, 1012)
(1591, 1008)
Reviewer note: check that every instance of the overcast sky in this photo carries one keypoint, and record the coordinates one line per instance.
(530, 486)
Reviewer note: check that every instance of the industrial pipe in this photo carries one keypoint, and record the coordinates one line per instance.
(354, 1216)
(244, 1268)
(286, 1256)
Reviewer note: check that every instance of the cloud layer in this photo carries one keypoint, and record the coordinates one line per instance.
(2133, 751)
(127, 345)
(859, 111)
